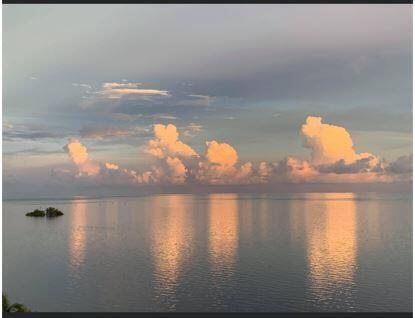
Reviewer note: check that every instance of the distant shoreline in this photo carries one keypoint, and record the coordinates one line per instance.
(286, 189)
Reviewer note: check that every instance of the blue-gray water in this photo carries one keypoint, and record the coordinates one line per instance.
(217, 252)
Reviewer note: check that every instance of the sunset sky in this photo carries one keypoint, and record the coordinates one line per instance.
(139, 95)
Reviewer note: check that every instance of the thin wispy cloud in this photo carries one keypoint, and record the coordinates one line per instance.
(126, 117)
(120, 90)
(28, 132)
(130, 100)
(84, 86)
(192, 129)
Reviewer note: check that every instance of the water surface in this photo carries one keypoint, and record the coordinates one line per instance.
(216, 252)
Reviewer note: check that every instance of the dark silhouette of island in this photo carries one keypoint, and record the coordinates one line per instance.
(49, 213)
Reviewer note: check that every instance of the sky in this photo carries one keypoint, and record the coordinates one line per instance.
(132, 97)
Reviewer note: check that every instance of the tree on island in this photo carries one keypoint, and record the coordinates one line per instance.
(50, 212)
(36, 212)
(16, 307)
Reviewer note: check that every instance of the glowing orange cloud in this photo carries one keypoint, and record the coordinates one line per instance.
(111, 166)
(220, 166)
(79, 156)
(77, 151)
(328, 143)
(177, 170)
(221, 153)
(333, 159)
(167, 143)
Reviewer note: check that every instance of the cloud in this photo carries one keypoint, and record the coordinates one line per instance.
(333, 160)
(177, 162)
(92, 172)
(84, 86)
(27, 132)
(177, 170)
(165, 116)
(111, 166)
(118, 90)
(195, 100)
(195, 127)
(115, 85)
(33, 151)
(328, 143)
(112, 173)
(192, 129)
(79, 156)
(166, 143)
(365, 164)
(169, 168)
(169, 153)
(220, 166)
(402, 165)
(129, 101)
(126, 117)
(221, 154)
(294, 170)
(112, 96)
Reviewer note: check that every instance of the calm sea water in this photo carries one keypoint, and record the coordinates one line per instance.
(217, 252)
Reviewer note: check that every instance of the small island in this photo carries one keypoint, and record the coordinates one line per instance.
(36, 213)
(50, 213)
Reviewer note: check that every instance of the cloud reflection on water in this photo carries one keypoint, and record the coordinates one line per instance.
(331, 246)
(77, 239)
(172, 236)
(223, 230)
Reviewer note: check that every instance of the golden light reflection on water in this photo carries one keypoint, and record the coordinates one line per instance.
(172, 236)
(77, 239)
(331, 243)
(223, 230)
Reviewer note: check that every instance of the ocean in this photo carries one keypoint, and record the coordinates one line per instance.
(213, 252)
